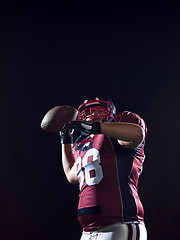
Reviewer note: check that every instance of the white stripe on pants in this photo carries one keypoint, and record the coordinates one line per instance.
(118, 231)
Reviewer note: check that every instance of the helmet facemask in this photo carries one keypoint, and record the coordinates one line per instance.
(96, 110)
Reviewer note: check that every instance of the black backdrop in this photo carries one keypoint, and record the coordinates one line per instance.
(55, 53)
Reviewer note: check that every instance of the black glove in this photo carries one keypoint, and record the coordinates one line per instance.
(66, 137)
(84, 127)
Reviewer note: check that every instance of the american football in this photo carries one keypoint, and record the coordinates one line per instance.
(56, 117)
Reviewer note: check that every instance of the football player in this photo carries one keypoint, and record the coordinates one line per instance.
(106, 161)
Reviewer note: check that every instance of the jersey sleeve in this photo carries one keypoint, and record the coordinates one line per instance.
(131, 117)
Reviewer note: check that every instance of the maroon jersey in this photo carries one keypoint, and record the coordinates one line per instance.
(108, 179)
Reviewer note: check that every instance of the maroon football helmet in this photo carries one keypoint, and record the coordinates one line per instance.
(95, 108)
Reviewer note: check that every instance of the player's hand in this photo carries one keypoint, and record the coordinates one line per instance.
(84, 127)
(66, 136)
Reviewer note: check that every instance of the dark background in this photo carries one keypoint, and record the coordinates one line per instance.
(56, 53)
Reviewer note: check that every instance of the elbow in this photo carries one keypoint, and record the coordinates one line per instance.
(73, 181)
(72, 178)
(140, 136)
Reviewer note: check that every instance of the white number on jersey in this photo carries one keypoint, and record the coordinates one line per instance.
(92, 173)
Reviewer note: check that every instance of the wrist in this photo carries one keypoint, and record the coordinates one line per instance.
(65, 138)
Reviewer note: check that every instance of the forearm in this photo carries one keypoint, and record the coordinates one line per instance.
(128, 134)
(68, 163)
